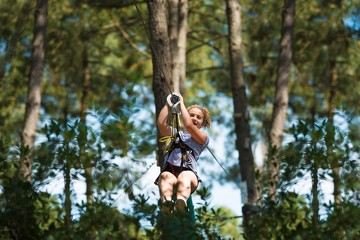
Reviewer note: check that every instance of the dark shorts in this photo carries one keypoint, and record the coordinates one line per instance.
(176, 171)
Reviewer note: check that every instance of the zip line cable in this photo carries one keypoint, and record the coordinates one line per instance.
(217, 161)
(132, 183)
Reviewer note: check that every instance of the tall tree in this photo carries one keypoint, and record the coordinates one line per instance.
(335, 164)
(335, 77)
(241, 114)
(67, 182)
(178, 32)
(87, 162)
(161, 58)
(33, 101)
(281, 93)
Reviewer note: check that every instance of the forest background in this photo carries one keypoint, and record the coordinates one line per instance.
(83, 81)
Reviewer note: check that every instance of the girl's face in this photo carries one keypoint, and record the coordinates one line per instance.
(197, 117)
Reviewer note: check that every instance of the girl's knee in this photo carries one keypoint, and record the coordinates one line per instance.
(168, 177)
(188, 180)
(164, 175)
(187, 176)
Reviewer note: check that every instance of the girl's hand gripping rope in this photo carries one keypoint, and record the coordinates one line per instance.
(173, 100)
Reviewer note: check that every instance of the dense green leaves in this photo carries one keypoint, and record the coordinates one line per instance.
(291, 216)
(108, 37)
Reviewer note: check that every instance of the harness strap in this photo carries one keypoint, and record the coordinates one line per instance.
(171, 139)
(174, 140)
(181, 143)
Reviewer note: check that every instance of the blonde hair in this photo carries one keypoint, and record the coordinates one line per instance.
(206, 113)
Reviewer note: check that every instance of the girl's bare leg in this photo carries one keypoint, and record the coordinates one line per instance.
(187, 183)
(166, 186)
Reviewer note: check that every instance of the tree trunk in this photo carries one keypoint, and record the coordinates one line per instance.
(335, 164)
(315, 199)
(173, 34)
(67, 187)
(334, 161)
(281, 94)
(33, 101)
(178, 33)
(314, 173)
(259, 171)
(87, 163)
(241, 116)
(67, 193)
(160, 49)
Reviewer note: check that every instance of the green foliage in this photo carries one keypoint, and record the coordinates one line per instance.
(343, 220)
(324, 145)
(26, 213)
(41, 214)
(120, 133)
(14, 64)
(105, 222)
(289, 218)
(230, 227)
(322, 47)
(208, 222)
(321, 143)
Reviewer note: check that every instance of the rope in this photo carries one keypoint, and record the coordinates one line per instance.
(132, 183)
(175, 124)
(217, 161)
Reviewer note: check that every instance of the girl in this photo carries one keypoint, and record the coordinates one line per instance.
(180, 165)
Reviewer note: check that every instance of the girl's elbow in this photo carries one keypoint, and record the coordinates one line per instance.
(187, 127)
(161, 123)
(190, 127)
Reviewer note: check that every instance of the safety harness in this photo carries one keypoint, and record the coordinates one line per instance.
(174, 140)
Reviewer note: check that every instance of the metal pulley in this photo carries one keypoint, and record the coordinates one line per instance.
(173, 100)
